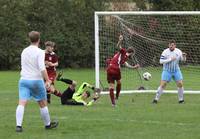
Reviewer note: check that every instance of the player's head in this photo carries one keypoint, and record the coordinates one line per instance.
(49, 46)
(86, 95)
(34, 37)
(172, 45)
(130, 51)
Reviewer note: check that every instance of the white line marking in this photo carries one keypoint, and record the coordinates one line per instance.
(153, 91)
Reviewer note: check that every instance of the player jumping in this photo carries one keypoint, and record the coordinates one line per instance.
(113, 69)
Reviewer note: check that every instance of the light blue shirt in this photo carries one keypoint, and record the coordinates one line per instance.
(168, 64)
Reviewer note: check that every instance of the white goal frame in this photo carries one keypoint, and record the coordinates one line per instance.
(96, 26)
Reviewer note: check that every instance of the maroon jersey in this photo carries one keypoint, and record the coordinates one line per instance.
(118, 59)
(52, 57)
(114, 64)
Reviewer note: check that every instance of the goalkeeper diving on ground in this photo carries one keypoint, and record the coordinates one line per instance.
(80, 97)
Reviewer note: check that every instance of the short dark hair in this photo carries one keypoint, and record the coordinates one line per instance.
(130, 50)
(172, 41)
(49, 43)
(34, 36)
(88, 93)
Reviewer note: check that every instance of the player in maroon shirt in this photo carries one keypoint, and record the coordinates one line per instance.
(51, 62)
(113, 69)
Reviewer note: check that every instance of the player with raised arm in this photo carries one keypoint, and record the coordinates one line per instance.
(51, 62)
(31, 83)
(70, 97)
(170, 58)
(113, 69)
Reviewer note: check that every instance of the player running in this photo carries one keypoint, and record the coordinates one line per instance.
(170, 58)
(31, 83)
(113, 69)
(51, 62)
(70, 97)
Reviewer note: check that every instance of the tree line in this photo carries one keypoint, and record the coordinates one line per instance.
(69, 23)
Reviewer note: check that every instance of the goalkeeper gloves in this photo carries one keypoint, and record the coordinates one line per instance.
(90, 103)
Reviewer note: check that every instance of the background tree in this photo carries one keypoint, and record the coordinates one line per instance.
(175, 5)
(70, 23)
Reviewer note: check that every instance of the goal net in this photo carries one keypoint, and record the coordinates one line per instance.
(149, 34)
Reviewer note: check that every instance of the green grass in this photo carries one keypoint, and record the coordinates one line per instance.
(134, 116)
(131, 80)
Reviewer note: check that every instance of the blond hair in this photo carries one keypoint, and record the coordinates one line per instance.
(49, 43)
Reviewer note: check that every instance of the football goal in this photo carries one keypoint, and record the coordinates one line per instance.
(149, 33)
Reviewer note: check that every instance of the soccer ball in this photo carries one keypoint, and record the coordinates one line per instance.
(146, 76)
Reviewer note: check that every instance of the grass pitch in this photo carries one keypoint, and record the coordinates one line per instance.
(134, 116)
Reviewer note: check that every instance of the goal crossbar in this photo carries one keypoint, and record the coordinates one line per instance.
(147, 13)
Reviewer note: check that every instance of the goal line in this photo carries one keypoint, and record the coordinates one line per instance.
(153, 91)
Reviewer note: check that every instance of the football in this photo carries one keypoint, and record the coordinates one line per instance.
(147, 76)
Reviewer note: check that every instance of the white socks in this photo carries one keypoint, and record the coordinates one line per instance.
(159, 92)
(180, 93)
(45, 115)
(19, 115)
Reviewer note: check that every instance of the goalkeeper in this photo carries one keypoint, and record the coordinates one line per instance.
(80, 97)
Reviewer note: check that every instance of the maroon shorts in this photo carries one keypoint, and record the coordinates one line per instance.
(52, 76)
(113, 75)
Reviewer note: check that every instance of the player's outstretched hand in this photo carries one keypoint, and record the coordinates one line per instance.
(184, 54)
(47, 84)
(137, 66)
(120, 37)
(97, 90)
(89, 103)
(97, 96)
(173, 58)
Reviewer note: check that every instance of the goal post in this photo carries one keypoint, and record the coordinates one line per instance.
(149, 33)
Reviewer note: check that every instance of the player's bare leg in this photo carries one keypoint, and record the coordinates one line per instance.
(160, 91)
(118, 89)
(111, 89)
(53, 90)
(73, 85)
(180, 91)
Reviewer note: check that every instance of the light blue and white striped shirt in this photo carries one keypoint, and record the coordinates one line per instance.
(166, 59)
